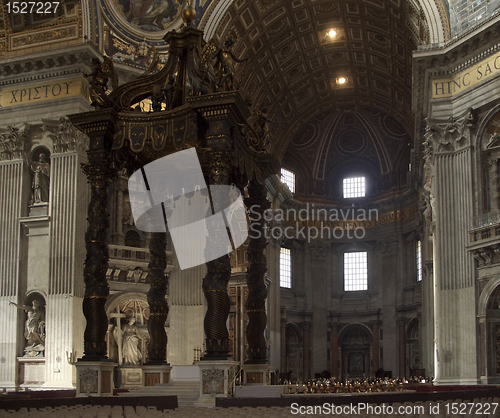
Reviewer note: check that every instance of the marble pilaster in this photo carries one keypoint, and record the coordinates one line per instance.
(14, 179)
(454, 321)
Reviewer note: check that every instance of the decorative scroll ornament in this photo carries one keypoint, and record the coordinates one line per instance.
(12, 142)
(213, 380)
(89, 379)
(428, 145)
(257, 132)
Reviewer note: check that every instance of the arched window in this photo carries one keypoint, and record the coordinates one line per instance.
(288, 178)
(132, 239)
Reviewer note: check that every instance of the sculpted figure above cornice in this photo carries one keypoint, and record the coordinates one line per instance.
(12, 141)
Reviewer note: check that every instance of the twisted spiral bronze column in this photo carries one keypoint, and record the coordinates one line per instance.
(96, 263)
(257, 291)
(158, 307)
(219, 270)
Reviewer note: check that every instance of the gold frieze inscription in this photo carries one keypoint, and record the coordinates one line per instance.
(45, 91)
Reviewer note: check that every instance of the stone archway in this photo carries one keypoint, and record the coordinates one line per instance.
(355, 342)
(493, 337)
(414, 362)
(119, 311)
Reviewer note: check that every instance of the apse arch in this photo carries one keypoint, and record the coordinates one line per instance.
(481, 151)
(355, 351)
(433, 10)
(352, 327)
(492, 285)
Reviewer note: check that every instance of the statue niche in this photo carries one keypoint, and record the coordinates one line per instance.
(129, 332)
(40, 168)
(34, 328)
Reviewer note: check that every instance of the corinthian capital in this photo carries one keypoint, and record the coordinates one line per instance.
(450, 135)
(12, 141)
(65, 136)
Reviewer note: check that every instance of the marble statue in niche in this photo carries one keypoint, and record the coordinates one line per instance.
(34, 329)
(41, 179)
(129, 336)
(130, 344)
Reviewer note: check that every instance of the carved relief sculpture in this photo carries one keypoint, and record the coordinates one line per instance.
(89, 380)
(213, 381)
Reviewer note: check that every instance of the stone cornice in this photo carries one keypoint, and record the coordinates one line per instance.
(451, 58)
(47, 64)
(452, 44)
(287, 201)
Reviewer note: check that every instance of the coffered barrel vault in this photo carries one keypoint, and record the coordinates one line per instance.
(295, 64)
